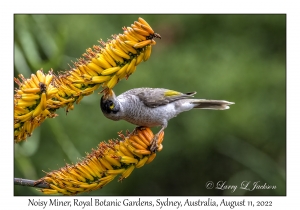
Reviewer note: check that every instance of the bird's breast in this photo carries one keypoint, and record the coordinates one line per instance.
(139, 114)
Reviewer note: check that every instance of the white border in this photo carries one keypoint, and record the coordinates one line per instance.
(8, 201)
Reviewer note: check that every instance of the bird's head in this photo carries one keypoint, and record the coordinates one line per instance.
(110, 105)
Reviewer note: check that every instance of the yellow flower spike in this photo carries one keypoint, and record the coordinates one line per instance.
(117, 171)
(109, 59)
(90, 89)
(82, 71)
(122, 37)
(73, 189)
(69, 91)
(151, 158)
(139, 141)
(143, 26)
(128, 47)
(82, 171)
(27, 127)
(20, 110)
(41, 76)
(128, 160)
(20, 103)
(119, 153)
(50, 180)
(91, 70)
(106, 164)
(87, 77)
(117, 45)
(112, 82)
(48, 79)
(127, 172)
(96, 69)
(122, 72)
(133, 33)
(30, 97)
(124, 150)
(63, 191)
(147, 28)
(142, 151)
(120, 53)
(43, 101)
(147, 52)
(142, 162)
(103, 63)
(130, 43)
(35, 79)
(139, 58)
(142, 21)
(131, 66)
(123, 69)
(149, 134)
(78, 176)
(51, 91)
(132, 150)
(136, 24)
(24, 117)
(142, 44)
(100, 66)
(49, 191)
(113, 55)
(46, 113)
(88, 186)
(30, 84)
(72, 87)
(110, 70)
(112, 161)
(97, 164)
(17, 125)
(95, 171)
(89, 170)
(129, 37)
(141, 32)
(136, 145)
(108, 178)
(31, 90)
(100, 79)
(78, 85)
(95, 61)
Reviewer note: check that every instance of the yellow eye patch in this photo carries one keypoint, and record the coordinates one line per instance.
(112, 106)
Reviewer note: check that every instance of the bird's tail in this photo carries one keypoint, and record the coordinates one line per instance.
(211, 104)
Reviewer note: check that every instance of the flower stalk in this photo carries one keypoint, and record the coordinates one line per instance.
(110, 159)
(104, 66)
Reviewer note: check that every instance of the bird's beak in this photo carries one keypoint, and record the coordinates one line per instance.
(108, 93)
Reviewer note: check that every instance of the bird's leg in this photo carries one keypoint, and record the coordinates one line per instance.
(138, 128)
(153, 143)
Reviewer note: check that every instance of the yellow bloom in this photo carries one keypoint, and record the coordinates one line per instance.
(102, 165)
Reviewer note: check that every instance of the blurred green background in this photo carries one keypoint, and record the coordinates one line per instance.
(239, 58)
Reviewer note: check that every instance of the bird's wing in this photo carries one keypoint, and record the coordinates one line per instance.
(154, 97)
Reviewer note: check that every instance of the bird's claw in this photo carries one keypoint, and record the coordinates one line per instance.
(153, 144)
(138, 128)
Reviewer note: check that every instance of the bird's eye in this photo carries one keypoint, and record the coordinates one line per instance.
(111, 105)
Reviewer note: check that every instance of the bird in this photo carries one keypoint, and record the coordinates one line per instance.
(152, 107)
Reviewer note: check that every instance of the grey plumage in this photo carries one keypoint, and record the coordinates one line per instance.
(153, 106)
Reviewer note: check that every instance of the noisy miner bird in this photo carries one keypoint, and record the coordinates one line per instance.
(151, 107)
